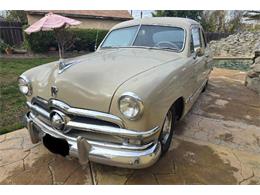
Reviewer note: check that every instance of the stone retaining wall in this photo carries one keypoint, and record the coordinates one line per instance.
(253, 76)
(237, 45)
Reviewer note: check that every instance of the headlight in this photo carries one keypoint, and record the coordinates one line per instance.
(24, 86)
(131, 106)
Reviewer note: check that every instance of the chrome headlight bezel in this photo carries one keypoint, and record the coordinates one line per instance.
(26, 83)
(131, 97)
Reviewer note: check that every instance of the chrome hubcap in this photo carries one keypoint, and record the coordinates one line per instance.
(167, 127)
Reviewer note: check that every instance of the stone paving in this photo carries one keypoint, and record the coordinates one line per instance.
(218, 142)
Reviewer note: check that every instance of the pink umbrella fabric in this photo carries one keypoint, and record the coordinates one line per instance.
(51, 21)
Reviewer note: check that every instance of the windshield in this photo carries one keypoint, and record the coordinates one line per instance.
(152, 36)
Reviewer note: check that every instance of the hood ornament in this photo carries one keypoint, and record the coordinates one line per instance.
(54, 91)
(65, 64)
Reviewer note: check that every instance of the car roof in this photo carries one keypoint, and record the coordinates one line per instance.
(164, 21)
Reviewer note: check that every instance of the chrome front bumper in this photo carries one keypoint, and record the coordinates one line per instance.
(121, 155)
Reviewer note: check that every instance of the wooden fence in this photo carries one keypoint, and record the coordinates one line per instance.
(11, 32)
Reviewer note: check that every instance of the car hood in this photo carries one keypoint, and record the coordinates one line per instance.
(91, 80)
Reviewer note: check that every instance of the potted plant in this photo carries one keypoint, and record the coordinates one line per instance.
(8, 49)
(5, 48)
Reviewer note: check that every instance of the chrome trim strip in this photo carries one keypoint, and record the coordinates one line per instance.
(87, 113)
(112, 130)
(43, 101)
(191, 97)
(39, 110)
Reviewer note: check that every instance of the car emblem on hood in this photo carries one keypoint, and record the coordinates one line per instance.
(54, 91)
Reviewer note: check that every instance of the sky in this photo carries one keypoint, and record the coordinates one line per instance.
(2, 12)
(137, 13)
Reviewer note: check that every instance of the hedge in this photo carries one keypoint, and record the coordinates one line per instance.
(40, 42)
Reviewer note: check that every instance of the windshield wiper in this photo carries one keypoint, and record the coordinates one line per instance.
(107, 47)
(168, 48)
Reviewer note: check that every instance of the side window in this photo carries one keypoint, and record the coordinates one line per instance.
(196, 38)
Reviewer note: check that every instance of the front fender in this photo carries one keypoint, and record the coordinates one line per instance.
(158, 88)
(41, 78)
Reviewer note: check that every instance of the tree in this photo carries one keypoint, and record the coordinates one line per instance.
(212, 21)
(235, 21)
(192, 14)
(198, 15)
(65, 39)
(17, 16)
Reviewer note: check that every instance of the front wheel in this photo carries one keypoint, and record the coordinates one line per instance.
(167, 130)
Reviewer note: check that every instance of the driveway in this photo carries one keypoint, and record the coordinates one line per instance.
(218, 142)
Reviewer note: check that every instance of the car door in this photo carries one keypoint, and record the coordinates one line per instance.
(199, 61)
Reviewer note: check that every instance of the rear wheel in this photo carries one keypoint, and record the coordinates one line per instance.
(168, 130)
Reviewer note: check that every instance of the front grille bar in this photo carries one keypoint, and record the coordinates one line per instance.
(112, 130)
(59, 105)
(85, 113)
(38, 110)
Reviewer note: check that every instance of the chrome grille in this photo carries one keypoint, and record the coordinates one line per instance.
(89, 124)
(42, 108)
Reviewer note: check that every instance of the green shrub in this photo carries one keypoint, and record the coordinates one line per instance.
(84, 40)
(40, 42)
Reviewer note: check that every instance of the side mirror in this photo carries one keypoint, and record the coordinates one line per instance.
(199, 52)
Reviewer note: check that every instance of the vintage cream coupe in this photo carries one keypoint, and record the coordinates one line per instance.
(118, 106)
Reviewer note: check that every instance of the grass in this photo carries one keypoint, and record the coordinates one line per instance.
(12, 102)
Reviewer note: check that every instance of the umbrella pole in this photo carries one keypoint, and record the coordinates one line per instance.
(60, 52)
(56, 33)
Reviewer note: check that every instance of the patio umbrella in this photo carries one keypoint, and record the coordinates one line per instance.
(54, 22)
